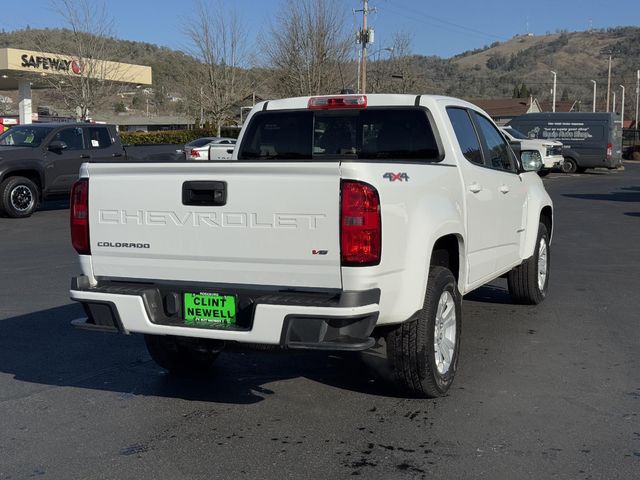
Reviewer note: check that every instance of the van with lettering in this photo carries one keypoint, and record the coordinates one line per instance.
(590, 140)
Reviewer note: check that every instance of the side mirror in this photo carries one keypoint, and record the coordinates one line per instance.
(57, 146)
(531, 160)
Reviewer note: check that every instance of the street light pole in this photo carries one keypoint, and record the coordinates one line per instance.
(622, 108)
(554, 90)
(594, 94)
(637, 98)
(609, 85)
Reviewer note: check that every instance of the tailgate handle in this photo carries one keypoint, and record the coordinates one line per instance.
(204, 193)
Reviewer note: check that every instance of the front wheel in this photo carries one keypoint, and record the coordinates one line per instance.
(528, 282)
(183, 356)
(423, 353)
(569, 165)
(18, 197)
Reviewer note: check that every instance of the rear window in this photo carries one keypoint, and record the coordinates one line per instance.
(369, 134)
(200, 142)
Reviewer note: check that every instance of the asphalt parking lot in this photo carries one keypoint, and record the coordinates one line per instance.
(542, 392)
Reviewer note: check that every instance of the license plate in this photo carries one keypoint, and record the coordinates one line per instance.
(209, 309)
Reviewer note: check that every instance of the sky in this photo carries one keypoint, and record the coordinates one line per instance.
(443, 28)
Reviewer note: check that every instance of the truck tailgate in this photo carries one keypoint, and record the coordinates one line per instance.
(279, 225)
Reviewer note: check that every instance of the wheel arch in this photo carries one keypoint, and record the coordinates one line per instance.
(32, 174)
(546, 217)
(447, 252)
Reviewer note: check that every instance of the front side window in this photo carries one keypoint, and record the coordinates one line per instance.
(497, 149)
(25, 136)
(73, 137)
(466, 135)
(371, 134)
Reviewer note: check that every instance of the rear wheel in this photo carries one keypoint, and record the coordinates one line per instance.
(528, 282)
(423, 353)
(19, 197)
(183, 356)
(569, 165)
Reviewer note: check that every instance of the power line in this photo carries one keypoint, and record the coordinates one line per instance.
(448, 23)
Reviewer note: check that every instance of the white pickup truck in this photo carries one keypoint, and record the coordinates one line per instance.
(339, 220)
(550, 151)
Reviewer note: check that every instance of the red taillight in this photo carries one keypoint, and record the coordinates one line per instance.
(343, 101)
(609, 151)
(195, 153)
(79, 210)
(360, 224)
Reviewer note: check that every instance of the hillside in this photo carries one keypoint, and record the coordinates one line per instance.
(576, 57)
(490, 72)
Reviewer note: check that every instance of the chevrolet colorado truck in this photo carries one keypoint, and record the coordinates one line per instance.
(39, 161)
(340, 220)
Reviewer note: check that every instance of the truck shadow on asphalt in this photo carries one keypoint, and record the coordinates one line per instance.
(630, 194)
(42, 348)
(57, 204)
(490, 294)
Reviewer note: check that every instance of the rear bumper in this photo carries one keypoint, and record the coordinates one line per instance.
(306, 320)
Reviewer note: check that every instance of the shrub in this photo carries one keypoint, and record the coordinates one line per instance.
(173, 137)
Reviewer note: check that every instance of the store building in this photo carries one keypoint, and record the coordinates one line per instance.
(23, 70)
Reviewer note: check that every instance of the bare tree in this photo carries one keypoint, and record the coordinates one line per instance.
(404, 77)
(90, 79)
(219, 83)
(397, 74)
(308, 47)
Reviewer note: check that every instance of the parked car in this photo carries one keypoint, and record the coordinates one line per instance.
(38, 161)
(631, 152)
(339, 220)
(550, 151)
(589, 139)
(210, 148)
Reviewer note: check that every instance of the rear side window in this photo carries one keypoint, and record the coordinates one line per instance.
(466, 134)
(370, 134)
(99, 137)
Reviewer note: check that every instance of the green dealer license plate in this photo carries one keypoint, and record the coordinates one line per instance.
(209, 309)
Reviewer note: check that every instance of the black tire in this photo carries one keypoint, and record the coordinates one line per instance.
(569, 165)
(410, 345)
(182, 356)
(19, 197)
(523, 281)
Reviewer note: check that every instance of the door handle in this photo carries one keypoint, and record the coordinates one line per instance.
(475, 187)
(116, 155)
(504, 188)
(84, 156)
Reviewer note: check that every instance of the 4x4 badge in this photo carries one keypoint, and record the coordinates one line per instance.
(401, 176)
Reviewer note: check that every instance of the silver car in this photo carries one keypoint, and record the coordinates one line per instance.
(210, 148)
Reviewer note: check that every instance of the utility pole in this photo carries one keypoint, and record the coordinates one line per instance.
(622, 108)
(365, 37)
(594, 94)
(554, 90)
(609, 84)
